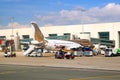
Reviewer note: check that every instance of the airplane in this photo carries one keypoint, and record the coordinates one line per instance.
(49, 44)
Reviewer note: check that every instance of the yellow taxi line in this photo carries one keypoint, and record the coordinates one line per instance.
(7, 72)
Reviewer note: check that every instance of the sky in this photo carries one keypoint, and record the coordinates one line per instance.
(20, 13)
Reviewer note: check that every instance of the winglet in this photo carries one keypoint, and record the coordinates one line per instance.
(37, 34)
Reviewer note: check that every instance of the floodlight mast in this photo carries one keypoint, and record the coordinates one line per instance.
(12, 20)
(82, 10)
(82, 20)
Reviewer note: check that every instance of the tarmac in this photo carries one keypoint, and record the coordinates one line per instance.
(48, 60)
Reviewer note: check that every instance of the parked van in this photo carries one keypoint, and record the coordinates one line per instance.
(109, 52)
(87, 51)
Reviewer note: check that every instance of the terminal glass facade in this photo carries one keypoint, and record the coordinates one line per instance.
(26, 36)
(109, 43)
(104, 35)
(66, 33)
(119, 37)
(2, 37)
(52, 34)
(63, 37)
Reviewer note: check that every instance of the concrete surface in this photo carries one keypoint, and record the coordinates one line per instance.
(16, 72)
(95, 62)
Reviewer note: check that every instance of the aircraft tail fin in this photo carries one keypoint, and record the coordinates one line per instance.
(37, 34)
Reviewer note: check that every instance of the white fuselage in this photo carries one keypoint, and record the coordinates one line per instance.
(53, 44)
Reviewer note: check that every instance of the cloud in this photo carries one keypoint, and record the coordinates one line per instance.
(15, 25)
(108, 13)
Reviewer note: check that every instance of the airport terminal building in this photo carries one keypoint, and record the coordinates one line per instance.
(99, 33)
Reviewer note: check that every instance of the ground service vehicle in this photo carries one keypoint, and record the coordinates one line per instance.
(109, 52)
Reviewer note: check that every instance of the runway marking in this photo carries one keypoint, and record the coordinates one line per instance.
(7, 72)
(88, 78)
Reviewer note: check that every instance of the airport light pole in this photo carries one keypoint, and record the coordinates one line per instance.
(81, 10)
(82, 20)
(11, 41)
(12, 19)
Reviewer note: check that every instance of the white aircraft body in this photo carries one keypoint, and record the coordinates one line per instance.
(53, 44)
(49, 44)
